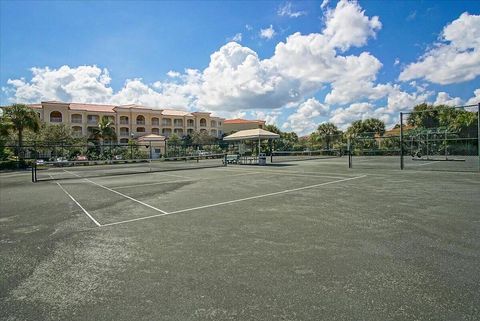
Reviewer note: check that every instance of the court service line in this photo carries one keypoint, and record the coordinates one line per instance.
(306, 174)
(423, 164)
(234, 201)
(79, 205)
(180, 181)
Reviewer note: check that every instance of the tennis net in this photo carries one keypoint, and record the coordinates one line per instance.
(44, 171)
(289, 156)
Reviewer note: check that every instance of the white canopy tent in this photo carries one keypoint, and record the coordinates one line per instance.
(252, 134)
(256, 134)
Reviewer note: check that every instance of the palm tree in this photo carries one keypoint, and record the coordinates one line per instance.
(327, 132)
(103, 132)
(20, 117)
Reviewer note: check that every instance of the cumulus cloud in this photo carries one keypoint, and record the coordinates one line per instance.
(84, 83)
(444, 98)
(267, 33)
(286, 10)
(475, 100)
(347, 25)
(324, 4)
(303, 119)
(455, 59)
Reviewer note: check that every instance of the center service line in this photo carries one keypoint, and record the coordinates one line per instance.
(232, 201)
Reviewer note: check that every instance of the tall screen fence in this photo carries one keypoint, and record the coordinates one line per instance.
(440, 139)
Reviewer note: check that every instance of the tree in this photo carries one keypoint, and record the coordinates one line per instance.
(273, 129)
(19, 118)
(369, 126)
(104, 131)
(374, 125)
(328, 133)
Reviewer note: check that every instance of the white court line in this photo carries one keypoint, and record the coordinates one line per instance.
(126, 196)
(84, 210)
(180, 180)
(423, 164)
(306, 174)
(234, 201)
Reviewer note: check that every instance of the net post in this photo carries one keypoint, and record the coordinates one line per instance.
(34, 172)
(224, 159)
(401, 141)
(349, 151)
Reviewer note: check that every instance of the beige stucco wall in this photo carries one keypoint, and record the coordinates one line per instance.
(167, 124)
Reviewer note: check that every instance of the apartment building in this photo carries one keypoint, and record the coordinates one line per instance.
(130, 121)
(235, 125)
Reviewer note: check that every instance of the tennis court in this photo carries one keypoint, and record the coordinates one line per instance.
(300, 240)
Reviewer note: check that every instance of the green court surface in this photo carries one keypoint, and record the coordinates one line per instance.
(309, 240)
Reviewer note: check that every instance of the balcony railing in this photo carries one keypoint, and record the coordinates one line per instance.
(55, 119)
(92, 121)
(123, 122)
(140, 122)
(124, 134)
(76, 120)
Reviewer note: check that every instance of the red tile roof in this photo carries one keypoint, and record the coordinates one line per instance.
(93, 107)
(243, 121)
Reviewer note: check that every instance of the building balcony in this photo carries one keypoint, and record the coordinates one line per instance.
(140, 122)
(123, 122)
(55, 119)
(124, 134)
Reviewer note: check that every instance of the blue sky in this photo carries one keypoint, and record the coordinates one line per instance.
(293, 63)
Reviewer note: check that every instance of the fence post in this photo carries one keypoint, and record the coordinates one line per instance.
(401, 141)
(349, 152)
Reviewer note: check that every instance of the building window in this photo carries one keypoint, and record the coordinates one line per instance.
(213, 123)
(166, 132)
(190, 123)
(213, 132)
(124, 132)
(156, 131)
(140, 129)
(76, 118)
(123, 120)
(190, 131)
(92, 119)
(203, 122)
(166, 122)
(140, 120)
(124, 141)
(77, 131)
(155, 121)
(178, 131)
(55, 117)
(178, 122)
(91, 130)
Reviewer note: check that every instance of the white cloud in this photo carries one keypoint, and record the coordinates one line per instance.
(173, 74)
(82, 84)
(396, 62)
(248, 27)
(444, 99)
(287, 11)
(236, 38)
(347, 25)
(303, 120)
(324, 4)
(267, 33)
(455, 59)
(475, 100)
